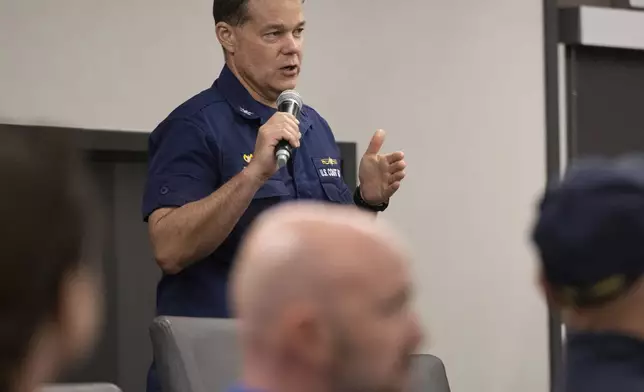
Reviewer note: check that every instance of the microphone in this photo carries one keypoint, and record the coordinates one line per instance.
(289, 101)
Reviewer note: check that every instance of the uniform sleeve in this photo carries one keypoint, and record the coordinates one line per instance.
(184, 166)
(347, 196)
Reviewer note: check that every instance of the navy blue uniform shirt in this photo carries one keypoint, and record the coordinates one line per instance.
(200, 146)
(604, 362)
(204, 143)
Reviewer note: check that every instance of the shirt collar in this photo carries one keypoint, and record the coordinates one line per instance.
(604, 344)
(245, 105)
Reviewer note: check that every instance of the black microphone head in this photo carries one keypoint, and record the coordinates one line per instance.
(290, 95)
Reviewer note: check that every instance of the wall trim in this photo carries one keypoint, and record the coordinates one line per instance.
(603, 27)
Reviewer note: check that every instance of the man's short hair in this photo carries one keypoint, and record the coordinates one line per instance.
(45, 204)
(233, 12)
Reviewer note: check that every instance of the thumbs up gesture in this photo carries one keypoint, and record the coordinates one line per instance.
(380, 174)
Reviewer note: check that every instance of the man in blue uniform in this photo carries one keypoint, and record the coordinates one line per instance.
(590, 238)
(212, 161)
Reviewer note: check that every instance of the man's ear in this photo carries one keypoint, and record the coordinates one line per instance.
(226, 37)
(305, 335)
(548, 292)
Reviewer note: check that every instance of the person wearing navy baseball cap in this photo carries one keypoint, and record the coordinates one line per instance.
(590, 239)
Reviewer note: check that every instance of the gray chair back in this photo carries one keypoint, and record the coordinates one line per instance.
(202, 355)
(428, 374)
(195, 354)
(80, 388)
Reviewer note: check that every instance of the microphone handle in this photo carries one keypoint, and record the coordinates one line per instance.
(284, 148)
(283, 153)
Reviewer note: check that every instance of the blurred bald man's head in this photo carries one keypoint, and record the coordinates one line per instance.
(323, 295)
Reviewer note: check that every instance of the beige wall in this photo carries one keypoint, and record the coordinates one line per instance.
(458, 85)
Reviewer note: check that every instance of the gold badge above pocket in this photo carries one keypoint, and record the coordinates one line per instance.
(328, 168)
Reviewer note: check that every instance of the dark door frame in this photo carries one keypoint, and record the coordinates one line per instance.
(553, 163)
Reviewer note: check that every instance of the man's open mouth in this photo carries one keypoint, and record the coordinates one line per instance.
(290, 68)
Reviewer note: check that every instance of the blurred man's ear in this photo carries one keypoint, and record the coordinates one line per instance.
(551, 295)
(306, 337)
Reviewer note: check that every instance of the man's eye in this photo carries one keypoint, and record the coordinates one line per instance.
(298, 32)
(273, 34)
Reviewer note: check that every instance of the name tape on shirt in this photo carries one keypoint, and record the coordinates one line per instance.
(330, 173)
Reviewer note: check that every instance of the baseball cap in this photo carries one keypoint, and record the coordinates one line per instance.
(590, 229)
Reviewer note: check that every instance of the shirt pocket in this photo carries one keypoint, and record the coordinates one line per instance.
(329, 174)
(272, 188)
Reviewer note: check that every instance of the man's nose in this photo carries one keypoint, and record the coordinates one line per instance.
(292, 44)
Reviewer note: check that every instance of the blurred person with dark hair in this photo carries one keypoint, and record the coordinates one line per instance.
(50, 299)
(324, 296)
(212, 160)
(590, 237)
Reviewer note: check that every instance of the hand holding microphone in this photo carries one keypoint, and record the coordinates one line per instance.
(277, 137)
(290, 102)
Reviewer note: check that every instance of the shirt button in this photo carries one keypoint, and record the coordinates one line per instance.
(164, 190)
